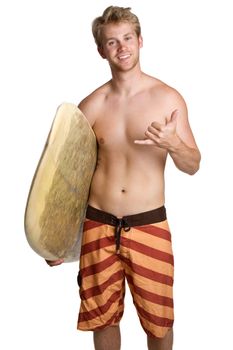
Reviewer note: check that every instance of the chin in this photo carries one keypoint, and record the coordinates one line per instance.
(124, 67)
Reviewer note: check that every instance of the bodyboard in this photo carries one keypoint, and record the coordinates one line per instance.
(57, 199)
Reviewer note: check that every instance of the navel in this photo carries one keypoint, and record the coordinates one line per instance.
(123, 190)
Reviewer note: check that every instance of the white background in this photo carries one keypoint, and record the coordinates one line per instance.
(48, 56)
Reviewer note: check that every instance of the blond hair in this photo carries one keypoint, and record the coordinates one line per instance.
(114, 14)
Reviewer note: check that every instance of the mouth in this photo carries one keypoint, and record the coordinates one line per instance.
(123, 57)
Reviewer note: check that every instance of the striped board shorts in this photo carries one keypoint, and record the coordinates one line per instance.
(136, 248)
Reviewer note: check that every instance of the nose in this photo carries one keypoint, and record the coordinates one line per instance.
(121, 46)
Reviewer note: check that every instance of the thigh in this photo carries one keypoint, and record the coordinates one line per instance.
(149, 272)
(101, 278)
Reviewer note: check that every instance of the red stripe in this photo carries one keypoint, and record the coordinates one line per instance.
(158, 321)
(114, 320)
(100, 310)
(98, 267)
(148, 251)
(97, 244)
(97, 290)
(89, 225)
(150, 274)
(155, 231)
(152, 297)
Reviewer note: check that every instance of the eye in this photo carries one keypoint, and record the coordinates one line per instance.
(111, 42)
(128, 38)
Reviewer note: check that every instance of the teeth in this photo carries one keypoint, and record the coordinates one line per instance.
(123, 57)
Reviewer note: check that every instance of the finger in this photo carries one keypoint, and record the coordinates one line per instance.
(157, 126)
(174, 116)
(155, 136)
(153, 131)
(144, 142)
(151, 139)
(54, 262)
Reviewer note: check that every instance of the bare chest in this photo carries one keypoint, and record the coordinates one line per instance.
(121, 124)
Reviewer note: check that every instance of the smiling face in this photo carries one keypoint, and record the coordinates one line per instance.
(120, 46)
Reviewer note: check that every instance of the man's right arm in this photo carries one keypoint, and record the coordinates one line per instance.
(90, 107)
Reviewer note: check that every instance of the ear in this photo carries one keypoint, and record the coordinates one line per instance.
(140, 40)
(101, 52)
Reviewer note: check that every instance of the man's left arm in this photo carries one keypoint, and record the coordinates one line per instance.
(181, 145)
(176, 136)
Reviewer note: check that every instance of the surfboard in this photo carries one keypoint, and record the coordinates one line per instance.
(58, 195)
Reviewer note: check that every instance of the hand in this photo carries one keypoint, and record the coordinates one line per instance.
(162, 135)
(54, 262)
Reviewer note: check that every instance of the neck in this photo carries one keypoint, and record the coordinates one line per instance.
(126, 83)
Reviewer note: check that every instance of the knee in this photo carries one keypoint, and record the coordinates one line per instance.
(164, 343)
(107, 338)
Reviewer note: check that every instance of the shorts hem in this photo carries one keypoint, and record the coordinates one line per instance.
(98, 328)
(156, 336)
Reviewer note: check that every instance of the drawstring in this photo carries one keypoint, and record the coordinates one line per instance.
(120, 223)
(126, 222)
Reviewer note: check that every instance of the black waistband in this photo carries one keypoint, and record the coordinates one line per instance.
(145, 218)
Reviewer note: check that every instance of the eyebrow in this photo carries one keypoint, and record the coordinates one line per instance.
(113, 38)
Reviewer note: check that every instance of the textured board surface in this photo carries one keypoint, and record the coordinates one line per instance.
(58, 196)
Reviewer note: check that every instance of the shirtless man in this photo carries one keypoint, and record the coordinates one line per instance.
(138, 120)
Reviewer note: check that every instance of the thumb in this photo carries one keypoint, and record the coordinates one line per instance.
(174, 116)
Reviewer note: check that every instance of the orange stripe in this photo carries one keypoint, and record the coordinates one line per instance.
(149, 240)
(100, 310)
(97, 232)
(98, 290)
(162, 224)
(152, 286)
(114, 320)
(152, 297)
(99, 278)
(156, 320)
(155, 231)
(97, 257)
(89, 225)
(155, 265)
(154, 309)
(100, 323)
(148, 251)
(145, 272)
(97, 244)
(98, 267)
(152, 330)
(90, 304)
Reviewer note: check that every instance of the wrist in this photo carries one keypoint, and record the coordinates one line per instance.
(176, 145)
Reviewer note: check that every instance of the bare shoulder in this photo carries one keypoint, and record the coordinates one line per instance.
(168, 95)
(172, 100)
(91, 104)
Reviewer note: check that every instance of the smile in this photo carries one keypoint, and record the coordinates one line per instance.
(123, 57)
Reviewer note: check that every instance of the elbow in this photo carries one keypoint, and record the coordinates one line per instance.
(193, 171)
(196, 165)
(190, 170)
(189, 165)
